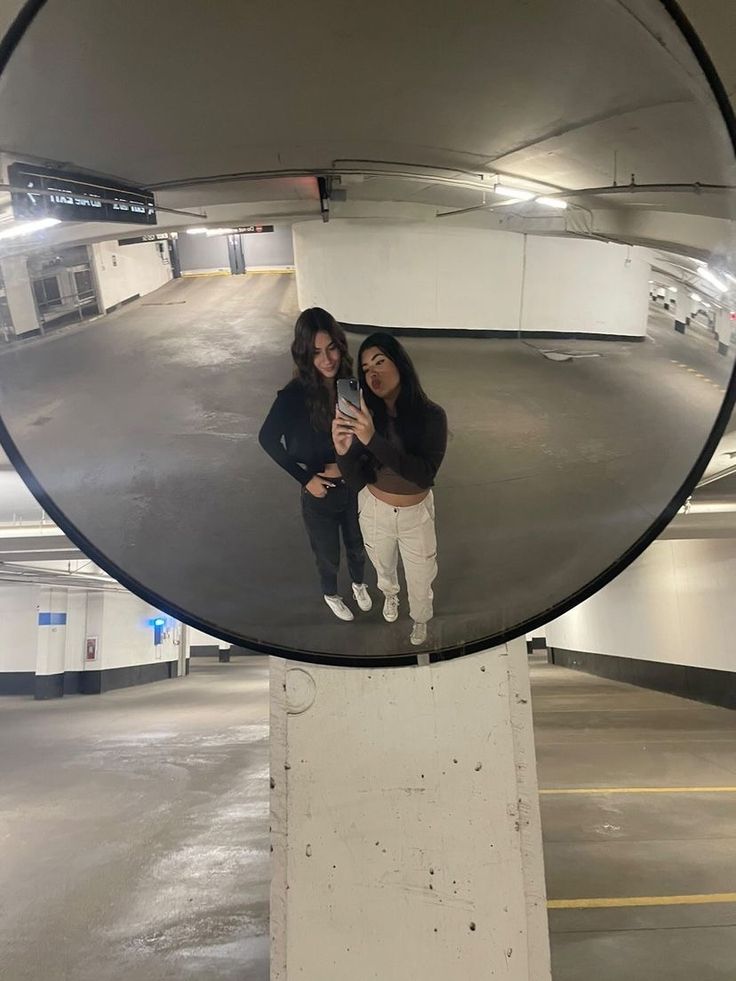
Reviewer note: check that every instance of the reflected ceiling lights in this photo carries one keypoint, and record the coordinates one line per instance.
(552, 202)
(713, 279)
(28, 227)
(513, 192)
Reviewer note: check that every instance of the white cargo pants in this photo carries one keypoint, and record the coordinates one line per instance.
(389, 531)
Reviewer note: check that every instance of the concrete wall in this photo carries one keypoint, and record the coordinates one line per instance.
(675, 604)
(199, 254)
(575, 285)
(19, 294)
(127, 636)
(124, 271)
(428, 275)
(119, 621)
(410, 275)
(270, 250)
(405, 822)
(18, 626)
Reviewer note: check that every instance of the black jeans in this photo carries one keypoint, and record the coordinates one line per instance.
(324, 518)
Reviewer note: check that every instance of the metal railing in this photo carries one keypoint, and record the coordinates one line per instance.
(79, 301)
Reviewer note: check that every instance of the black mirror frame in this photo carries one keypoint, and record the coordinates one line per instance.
(7, 46)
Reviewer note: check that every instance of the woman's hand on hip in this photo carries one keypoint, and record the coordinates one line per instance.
(318, 486)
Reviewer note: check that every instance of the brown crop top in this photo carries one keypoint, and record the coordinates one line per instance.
(387, 465)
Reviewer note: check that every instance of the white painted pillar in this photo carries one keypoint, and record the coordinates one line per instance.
(19, 294)
(51, 649)
(405, 822)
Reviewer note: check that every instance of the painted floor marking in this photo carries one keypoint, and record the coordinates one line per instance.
(698, 899)
(639, 790)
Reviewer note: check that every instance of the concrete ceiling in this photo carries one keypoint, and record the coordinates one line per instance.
(433, 103)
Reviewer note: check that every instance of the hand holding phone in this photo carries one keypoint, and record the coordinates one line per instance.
(348, 396)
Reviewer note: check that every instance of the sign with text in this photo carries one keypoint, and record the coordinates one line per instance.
(253, 229)
(43, 193)
(151, 237)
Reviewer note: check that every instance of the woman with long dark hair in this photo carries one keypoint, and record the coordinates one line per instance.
(297, 435)
(391, 450)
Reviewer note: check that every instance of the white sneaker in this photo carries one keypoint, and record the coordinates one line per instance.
(391, 608)
(418, 634)
(337, 606)
(362, 596)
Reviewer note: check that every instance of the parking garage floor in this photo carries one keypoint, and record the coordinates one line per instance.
(134, 831)
(157, 407)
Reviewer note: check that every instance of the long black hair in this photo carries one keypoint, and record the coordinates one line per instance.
(320, 398)
(412, 404)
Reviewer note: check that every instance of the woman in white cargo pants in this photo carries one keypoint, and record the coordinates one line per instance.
(390, 450)
(407, 531)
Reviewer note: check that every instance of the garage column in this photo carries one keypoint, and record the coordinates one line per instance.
(19, 295)
(51, 651)
(725, 327)
(405, 822)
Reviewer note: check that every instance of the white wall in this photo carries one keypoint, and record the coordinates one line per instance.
(76, 631)
(409, 275)
(197, 638)
(19, 295)
(674, 604)
(419, 274)
(127, 636)
(119, 620)
(123, 271)
(576, 285)
(18, 626)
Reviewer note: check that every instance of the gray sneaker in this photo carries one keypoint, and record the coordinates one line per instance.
(337, 606)
(391, 608)
(418, 634)
(362, 596)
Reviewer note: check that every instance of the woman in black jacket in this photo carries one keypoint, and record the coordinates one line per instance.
(297, 435)
(390, 452)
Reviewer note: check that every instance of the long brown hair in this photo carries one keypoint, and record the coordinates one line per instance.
(320, 400)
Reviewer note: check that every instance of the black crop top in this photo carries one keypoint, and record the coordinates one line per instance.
(385, 463)
(287, 435)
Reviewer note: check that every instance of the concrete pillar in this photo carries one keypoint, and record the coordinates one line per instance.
(405, 822)
(725, 327)
(19, 295)
(51, 650)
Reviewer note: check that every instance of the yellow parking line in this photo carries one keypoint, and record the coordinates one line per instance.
(640, 790)
(694, 900)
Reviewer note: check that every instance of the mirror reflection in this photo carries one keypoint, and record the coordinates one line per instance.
(351, 382)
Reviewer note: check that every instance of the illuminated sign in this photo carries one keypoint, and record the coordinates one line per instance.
(43, 193)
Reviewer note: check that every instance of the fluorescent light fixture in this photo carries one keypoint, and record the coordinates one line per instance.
(706, 305)
(552, 202)
(672, 289)
(219, 231)
(729, 276)
(29, 227)
(199, 230)
(699, 262)
(694, 296)
(713, 279)
(512, 192)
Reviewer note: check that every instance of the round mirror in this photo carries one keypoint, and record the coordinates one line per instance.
(361, 335)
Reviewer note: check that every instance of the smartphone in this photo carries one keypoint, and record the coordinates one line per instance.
(348, 396)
